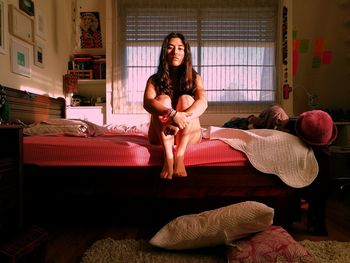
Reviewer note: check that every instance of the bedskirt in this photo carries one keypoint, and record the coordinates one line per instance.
(125, 194)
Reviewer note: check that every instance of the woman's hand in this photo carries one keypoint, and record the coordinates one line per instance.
(181, 119)
(170, 130)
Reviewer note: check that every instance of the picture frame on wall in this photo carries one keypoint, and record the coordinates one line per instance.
(90, 30)
(21, 25)
(20, 60)
(40, 24)
(27, 6)
(3, 26)
(39, 54)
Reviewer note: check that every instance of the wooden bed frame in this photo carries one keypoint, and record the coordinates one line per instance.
(138, 192)
(29, 107)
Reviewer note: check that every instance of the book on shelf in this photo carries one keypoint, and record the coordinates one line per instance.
(88, 66)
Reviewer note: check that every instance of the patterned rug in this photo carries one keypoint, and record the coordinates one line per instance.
(140, 251)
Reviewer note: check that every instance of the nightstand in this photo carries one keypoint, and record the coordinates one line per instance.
(11, 217)
(339, 161)
(17, 243)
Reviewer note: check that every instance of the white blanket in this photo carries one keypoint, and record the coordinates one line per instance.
(271, 151)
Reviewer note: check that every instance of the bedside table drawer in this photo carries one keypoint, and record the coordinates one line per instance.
(8, 222)
(8, 198)
(11, 207)
(8, 210)
(8, 172)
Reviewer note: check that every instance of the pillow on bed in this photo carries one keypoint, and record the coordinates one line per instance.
(58, 127)
(214, 227)
(68, 130)
(272, 245)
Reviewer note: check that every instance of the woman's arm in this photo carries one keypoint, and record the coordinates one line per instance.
(200, 101)
(150, 103)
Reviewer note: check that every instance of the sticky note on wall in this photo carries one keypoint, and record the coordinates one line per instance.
(319, 45)
(316, 62)
(327, 57)
(304, 45)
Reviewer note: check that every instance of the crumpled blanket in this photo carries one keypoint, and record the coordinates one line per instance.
(82, 128)
(273, 117)
(273, 152)
(57, 127)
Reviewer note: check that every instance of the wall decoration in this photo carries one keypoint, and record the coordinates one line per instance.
(316, 62)
(27, 6)
(90, 30)
(304, 45)
(321, 55)
(319, 44)
(3, 28)
(20, 61)
(40, 23)
(286, 87)
(20, 25)
(39, 54)
(285, 35)
(296, 48)
(327, 57)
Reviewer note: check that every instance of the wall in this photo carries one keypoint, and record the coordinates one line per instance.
(311, 19)
(324, 85)
(321, 24)
(207, 119)
(47, 80)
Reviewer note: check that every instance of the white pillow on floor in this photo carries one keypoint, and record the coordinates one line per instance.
(214, 227)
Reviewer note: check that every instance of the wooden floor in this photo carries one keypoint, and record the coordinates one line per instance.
(67, 242)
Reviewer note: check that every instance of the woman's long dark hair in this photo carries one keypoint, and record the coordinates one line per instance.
(186, 72)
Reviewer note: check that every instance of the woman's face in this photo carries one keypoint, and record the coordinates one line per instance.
(175, 52)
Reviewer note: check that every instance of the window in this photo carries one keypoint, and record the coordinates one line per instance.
(233, 45)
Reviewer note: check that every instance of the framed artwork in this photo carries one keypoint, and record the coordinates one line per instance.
(27, 6)
(40, 24)
(20, 61)
(20, 25)
(39, 54)
(90, 30)
(3, 26)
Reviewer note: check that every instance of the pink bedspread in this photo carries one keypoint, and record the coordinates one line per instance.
(121, 150)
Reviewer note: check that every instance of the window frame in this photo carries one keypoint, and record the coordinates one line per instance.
(222, 104)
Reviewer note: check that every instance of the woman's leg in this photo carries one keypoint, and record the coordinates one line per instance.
(156, 136)
(190, 135)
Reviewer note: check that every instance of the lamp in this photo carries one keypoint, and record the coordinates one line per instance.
(70, 86)
(70, 83)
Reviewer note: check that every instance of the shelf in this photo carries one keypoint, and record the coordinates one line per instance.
(85, 107)
(91, 81)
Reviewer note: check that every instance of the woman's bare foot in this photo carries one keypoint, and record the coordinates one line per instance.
(167, 172)
(180, 170)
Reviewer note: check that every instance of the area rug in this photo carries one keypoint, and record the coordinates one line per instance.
(140, 251)
(328, 251)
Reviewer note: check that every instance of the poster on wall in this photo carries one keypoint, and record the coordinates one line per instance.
(90, 30)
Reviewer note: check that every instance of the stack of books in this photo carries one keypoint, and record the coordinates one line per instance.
(99, 67)
(87, 66)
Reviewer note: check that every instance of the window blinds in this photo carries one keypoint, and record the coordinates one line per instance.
(233, 46)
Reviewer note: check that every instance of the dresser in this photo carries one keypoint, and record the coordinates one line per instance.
(339, 160)
(340, 149)
(11, 217)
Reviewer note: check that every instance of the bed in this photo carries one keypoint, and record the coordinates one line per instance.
(67, 177)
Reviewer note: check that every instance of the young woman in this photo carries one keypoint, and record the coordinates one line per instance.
(175, 98)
